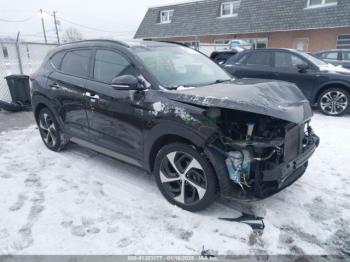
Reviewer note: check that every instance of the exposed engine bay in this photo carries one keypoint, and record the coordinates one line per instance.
(254, 144)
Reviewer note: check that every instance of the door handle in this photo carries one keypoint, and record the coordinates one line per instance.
(93, 98)
(54, 86)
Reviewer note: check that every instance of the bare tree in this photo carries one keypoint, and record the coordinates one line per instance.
(72, 34)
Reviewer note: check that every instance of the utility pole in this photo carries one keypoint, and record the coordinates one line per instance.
(43, 24)
(56, 27)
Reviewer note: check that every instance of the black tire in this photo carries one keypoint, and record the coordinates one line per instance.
(199, 182)
(334, 102)
(50, 131)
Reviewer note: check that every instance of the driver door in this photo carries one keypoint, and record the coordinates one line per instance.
(285, 69)
(115, 121)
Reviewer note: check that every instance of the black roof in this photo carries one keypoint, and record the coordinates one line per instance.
(254, 16)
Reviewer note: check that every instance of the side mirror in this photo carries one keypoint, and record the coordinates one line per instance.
(127, 82)
(303, 68)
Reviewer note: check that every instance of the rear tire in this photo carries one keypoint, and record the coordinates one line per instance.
(50, 131)
(334, 102)
(185, 177)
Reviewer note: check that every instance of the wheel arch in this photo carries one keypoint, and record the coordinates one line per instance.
(164, 134)
(39, 102)
(37, 110)
(341, 85)
(216, 160)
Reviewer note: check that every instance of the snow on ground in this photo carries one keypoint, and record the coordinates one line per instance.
(80, 202)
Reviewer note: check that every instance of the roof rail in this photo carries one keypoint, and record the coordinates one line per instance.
(176, 43)
(167, 41)
(98, 40)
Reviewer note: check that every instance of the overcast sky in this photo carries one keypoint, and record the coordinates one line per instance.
(96, 18)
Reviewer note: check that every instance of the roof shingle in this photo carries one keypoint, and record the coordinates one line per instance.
(254, 16)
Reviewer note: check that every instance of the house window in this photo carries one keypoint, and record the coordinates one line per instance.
(321, 3)
(230, 8)
(166, 16)
(343, 42)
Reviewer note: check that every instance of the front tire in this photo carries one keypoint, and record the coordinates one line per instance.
(185, 177)
(50, 132)
(334, 102)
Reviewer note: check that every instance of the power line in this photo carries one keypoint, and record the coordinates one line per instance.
(92, 28)
(16, 21)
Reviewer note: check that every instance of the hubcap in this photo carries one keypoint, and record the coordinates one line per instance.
(183, 178)
(334, 102)
(48, 130)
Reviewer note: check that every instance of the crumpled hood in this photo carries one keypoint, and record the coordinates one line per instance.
(277, 99)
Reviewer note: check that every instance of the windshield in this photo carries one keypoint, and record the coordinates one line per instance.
(176, 66)
(313, 59)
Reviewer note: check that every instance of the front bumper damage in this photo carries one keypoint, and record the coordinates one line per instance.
(266, 178)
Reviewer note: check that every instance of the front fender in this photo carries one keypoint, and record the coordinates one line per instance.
(169, 129)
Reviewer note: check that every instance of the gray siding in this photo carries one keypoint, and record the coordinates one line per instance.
(254, 16)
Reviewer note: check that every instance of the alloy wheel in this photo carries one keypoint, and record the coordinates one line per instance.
(334, 102)
(48, 130)
(183, 178)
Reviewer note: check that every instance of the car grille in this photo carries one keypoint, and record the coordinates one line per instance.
(293, 144)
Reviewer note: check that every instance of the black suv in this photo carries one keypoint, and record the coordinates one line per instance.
(173, 112)
(325, 85)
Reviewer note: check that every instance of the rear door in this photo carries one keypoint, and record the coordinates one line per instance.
(285, 69)
(68, 86)
(255, 64)
(115, 116)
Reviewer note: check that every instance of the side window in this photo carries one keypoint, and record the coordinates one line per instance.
(346, 56)
(259, 58)
(56, 59)
(110, 64)
(287, 60)
(76, 63)
(331, 55)
(234, 60)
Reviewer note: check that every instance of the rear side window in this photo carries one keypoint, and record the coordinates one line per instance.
(346, 55)
(236, 60)
(110, 64)
(260, 59)
(76, 63)
(56, 60)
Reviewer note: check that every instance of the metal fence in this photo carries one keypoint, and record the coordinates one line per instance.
(19, 58)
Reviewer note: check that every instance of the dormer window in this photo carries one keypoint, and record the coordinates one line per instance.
(321, 3)
(166, 16)
(229, 8)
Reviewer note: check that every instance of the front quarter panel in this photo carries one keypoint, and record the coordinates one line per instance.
(164, 117)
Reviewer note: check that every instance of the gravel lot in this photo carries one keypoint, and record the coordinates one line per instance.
(80, 202)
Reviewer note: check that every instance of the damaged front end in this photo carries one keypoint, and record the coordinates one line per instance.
(261, 155)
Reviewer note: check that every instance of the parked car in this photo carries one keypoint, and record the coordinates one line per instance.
(173, 112)
(325, 85)
(220, 57)
(338, 57)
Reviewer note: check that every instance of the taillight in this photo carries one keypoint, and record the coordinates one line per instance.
(32, 77)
